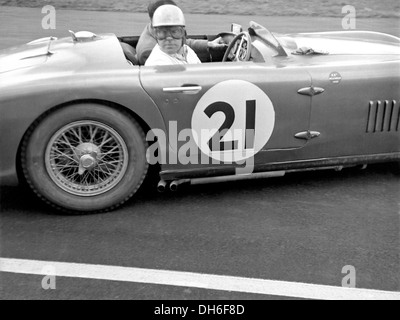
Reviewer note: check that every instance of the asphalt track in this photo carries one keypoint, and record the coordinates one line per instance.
(302, 228)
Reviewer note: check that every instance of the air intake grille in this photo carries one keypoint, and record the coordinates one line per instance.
(383, 116)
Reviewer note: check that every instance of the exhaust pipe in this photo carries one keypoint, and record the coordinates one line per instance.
(162, 186)
(175, 184)
(198, 181)
(253, 176)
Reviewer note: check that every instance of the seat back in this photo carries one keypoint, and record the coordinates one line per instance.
(130, 53)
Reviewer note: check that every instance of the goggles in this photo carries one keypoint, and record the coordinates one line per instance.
(174, 32)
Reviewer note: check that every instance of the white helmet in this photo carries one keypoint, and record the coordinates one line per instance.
(168, 15)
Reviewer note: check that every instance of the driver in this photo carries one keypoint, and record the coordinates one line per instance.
(148, 40)
(169, 29)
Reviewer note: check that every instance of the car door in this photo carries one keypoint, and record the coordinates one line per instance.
(239, 97)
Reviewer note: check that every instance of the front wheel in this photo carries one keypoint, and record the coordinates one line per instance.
(85, 158)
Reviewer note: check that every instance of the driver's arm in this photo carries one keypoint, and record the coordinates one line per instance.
(202, 46)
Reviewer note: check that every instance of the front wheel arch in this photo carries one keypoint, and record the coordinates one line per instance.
(142, 123)
(75, 108)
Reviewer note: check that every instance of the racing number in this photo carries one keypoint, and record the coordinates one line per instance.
(247, 110)
(229, 113)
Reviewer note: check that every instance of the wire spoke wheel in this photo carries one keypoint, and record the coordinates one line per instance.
(86, 158)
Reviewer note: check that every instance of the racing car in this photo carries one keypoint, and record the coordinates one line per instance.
(82, 123)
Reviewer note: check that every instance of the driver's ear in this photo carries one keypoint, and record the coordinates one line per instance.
(185, 37)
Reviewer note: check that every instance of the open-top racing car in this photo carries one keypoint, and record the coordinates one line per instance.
(81, 122)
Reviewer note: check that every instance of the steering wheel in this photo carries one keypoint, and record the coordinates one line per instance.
(239, 49)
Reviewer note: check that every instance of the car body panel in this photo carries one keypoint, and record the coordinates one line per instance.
(361, 127)
(352, 116)
(75, 72)
(348, 43)
(292, 111)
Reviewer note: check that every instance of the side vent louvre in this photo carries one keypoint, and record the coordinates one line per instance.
(383, 116)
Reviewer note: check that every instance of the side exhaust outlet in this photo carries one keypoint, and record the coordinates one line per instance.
(174, 186)
(162, 186)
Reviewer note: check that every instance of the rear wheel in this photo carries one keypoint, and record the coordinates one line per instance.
(85, 158)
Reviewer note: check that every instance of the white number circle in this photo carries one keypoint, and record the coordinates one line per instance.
(233, 121)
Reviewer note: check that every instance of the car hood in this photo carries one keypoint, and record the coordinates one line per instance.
(344, 43)
(64, 54)
(24, 56)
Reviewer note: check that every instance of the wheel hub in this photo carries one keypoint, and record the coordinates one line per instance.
(87, 154)
(87, 162)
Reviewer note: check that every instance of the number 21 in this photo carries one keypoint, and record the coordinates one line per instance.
(229, 113)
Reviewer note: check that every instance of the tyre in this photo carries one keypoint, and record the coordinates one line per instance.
(85, 158)
(396, 168)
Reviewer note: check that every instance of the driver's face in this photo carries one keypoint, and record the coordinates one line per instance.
(170, 39)
(170, 45)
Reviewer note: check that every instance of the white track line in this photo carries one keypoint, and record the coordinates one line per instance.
(194, 280)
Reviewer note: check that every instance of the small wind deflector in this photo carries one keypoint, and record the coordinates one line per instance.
(83, 36)
(306, 51)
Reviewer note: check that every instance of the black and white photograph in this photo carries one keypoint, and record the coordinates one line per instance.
(199, 155)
